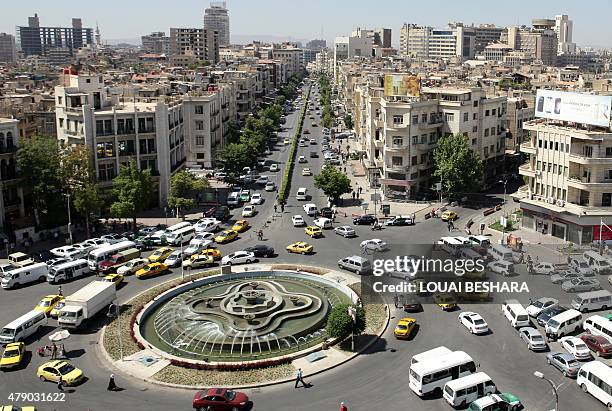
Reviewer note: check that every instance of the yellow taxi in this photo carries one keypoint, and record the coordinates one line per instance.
(52, 370)
(286, 141)
(150, 270)
(445, 301)
(300, 247)
(48, 303)
(449, 216)
(211, 252)
(226, 236)
(240, 225)
(55, 311)
(12, 355)
(114, 278)
(17, 408)
(404, 327)
(313, 231)
(160, 254)
(198, 260)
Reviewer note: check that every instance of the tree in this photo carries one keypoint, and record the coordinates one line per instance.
(87, 201)
(183, 187)
(332, 182)
(39, 161)
(348, 122)
(236, 156)
(457, 165)
(132, 189)
(340, 324)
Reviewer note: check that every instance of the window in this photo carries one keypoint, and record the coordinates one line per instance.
(424, 118)
(475, 129)
(424, 139)
(539, 165)
(549, 167)
(397, 161)
(466, 116)
(555, 168)
(494, 112)
(199, 125)
(423, 158)
(608, 151)
(398, 141)
(106, 172)
(199, 109)
(415, 119)
(556, 145)
(545, 144)
(449, 117)
(539, 143)
(398, 120)
(560, 169)
(486, 132)
(61, 122)
(486, 113)
(473, 141)
(59, 100)
(200, 141)
(486, 151)
(415, 160)
(608, 175)
(475, 103)
(415, 140)
(493, 131)
(475, 116)
(127, 148)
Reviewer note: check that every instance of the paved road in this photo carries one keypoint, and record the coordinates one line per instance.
(378, 379)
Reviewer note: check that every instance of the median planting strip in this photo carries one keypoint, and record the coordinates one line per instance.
(286, 184)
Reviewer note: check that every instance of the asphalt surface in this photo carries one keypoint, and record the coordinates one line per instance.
(376, 380)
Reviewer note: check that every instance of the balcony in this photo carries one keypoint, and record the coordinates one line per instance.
(527, 148)
(396, 147)
(126, 131)
(396, 168)
(584, 183)
(526, 170)
(8, 150)
(397, 126)
(146, 130)
(582, 159)
(74, 110)
(432, 123)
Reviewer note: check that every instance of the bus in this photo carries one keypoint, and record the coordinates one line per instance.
(598, 325)
(451, 245)
(430, 375)
(433, 353)
(180, 236)
(98, 255)
(595, 378)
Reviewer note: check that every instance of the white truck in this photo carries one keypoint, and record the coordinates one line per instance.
(86, 303)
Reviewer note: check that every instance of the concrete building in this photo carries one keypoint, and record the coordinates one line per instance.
(564, 30)
(569, 180)
(486, 34)
(291, 56)
(496, 51)
(189, 45)
(156, 43)
(216, 18)
(430, 43)
(382, 37)
(316, 44)
(538, 42)
(11, 191)
(8, 50)
(34, 39)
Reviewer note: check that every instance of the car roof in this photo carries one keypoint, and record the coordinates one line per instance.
(564, 355)
(530, 330)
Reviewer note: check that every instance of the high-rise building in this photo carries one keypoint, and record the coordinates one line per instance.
(8, 52)
(538, 43)
(564, 27)
(192, 44)
(429, 43)
(156, 42)
(216, 18)
(36, 40)
(382, 37)
(316, 45)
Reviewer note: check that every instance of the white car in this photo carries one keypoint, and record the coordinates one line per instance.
(256, 199)
(175, 259)
(84, 247)
(248, 211)
(207, 225)
(274, 167)
(543, 268)
(536, 307)
(345, 231)
(298, 221)
(375, 244)
(196, 248)
(576, 347)
(270, 186)
(202, 237)
(302, 159)
(63, 251)
(323, 222)
(500, 267)
(95, 242)
(474, 322)
(132, 266)
(238, 257)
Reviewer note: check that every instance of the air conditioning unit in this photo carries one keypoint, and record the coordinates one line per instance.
(551, 200)
(560, 203)
(538, 173)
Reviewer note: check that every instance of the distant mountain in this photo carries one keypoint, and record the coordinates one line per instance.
(113, 42)
(249, 38)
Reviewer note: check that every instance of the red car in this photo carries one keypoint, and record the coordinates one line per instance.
(600, 345)
(306, 131)
(221, 399)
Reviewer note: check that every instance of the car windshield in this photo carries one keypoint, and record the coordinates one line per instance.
(479, 321)
(553, 324)
(13, 352)
(230, 395)
(581, 346)
(572, 363)
(7, 332)
(583, 265)
(65, 369)
(401, 327)
(44, 303)
(536, 337)
(538, 304)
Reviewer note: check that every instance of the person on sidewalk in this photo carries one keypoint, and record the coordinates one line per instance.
(60, 291)
(343, 407)
(111, 383)
(54, 352)
(299, 378)
(275, 207)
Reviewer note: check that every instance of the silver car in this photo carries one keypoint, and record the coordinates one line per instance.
(534, 340)
(560, 278)
(566, 363)
(581, 284)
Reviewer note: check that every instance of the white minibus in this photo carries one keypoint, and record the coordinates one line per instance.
(451, 245)
(430, 376)
(500, 252)
(598, 325)
(181, 235)
(23, 327)
(68, 270)
(592, 300)
(433, 353)
(595, 378)
(515, 313)
(463, 391)
(98, 255)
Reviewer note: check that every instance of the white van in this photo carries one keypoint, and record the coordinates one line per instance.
(357, 264)
(515, 313)
(592, 301)
(481, 240)
(67, 271)
(598, 263)
(20, 260)
(233, 199)
(451, 245)
(563, 324)
(500, 252)
(598, 325)
(25, 275)
(433, 353)
(23, 327)
(181, 236)
(301, 194)
(467, 389)
(310, 209)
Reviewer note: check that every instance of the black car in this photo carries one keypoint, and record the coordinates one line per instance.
(366, 219)
(222, 213)
(326, 212)
(261, 250)
(549, 313)
(411, 304)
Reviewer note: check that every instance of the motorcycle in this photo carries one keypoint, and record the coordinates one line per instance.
(377, 226)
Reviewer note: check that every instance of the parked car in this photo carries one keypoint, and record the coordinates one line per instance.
(473, 322)
(566, 363)
(576, 347)
(261, 250)
(366, 219)
(533, 338)
(544, 268)
(345, 231)
(536, 307)
(600, 345)
(581, 284)
(238, 257)
(549, 313)
(561, 277)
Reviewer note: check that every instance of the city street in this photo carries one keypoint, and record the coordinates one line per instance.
(378, 379)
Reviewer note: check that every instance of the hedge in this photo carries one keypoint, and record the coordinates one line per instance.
(283, 193)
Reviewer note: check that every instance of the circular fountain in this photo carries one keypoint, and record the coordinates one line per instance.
(230, 318)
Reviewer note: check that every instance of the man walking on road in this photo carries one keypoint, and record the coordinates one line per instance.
(60, 384)
(343, 407)
(299, 378)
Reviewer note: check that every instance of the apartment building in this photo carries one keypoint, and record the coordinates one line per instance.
(35, 39)
(157, 43)
(8, 50)
(188, 45)
(216, 18)
(244, 87)
(12, 192)
(538, 42)
(291, 56)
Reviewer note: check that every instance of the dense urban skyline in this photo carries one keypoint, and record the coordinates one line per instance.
(319, 19)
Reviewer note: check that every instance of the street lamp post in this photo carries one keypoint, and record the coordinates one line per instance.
(504, 182)
(69, 221)
(554, 388)
(182, 268)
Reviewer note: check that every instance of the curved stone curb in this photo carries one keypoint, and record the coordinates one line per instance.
(125, 370)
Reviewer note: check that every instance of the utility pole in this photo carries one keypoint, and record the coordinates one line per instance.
(69, 221)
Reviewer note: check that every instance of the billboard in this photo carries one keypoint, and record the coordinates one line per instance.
(574, 107)
(402, 85)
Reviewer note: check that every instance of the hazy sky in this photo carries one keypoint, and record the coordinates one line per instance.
(129, 19)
